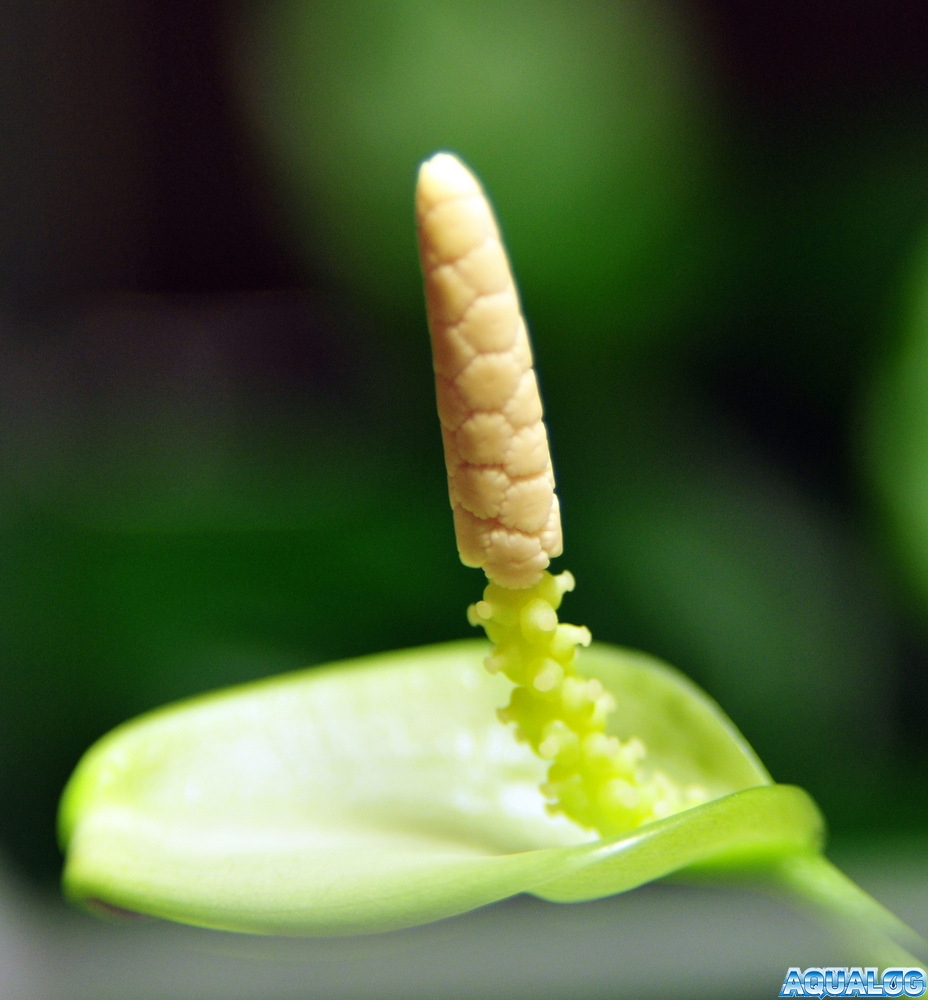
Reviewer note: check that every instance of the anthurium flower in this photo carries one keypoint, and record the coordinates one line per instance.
(382, 793)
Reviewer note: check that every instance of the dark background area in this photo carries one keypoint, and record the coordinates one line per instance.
(217, 458)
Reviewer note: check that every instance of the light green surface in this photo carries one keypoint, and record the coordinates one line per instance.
(383, 793)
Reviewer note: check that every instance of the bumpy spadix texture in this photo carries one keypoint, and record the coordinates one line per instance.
(595, 779)
(506, 513)
(500, 480)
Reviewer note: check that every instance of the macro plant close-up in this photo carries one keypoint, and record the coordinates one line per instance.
(261, 733)
(371, 796)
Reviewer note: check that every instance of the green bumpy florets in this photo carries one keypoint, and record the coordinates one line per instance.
(595, 779)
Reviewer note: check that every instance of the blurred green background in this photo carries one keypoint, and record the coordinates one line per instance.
(218, 454)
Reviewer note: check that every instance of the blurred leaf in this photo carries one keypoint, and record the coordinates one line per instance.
(175, 515)
(896, 434)
(707, 554)
(583, 121)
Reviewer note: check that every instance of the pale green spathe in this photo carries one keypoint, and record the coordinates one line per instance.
(383, 793)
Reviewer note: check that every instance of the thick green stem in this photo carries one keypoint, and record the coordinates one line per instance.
(871, 933)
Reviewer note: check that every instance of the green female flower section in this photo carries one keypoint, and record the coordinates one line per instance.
(595, 779)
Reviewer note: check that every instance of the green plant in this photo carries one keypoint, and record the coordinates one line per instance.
(382, 793)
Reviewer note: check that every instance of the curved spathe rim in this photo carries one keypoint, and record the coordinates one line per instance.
(382, 793)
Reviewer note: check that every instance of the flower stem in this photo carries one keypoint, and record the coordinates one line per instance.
(871, 934)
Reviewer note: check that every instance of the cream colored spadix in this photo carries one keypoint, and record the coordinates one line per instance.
(507, 518)
(500, 481)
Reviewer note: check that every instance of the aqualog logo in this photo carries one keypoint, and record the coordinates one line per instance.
(855, 982)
